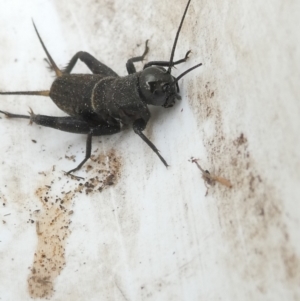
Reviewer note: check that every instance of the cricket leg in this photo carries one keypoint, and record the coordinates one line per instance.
(67, 124)
(92, 63)
(77, 126)
(138, 126)
(11, 115)
(96, 131)
(130, 66)
(71, 125)
(88, 151)
(167, 63)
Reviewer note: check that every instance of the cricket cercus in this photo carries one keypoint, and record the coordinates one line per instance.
(100, 103)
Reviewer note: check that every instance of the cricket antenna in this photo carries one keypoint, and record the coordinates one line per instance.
(184, 73)
(176, 38)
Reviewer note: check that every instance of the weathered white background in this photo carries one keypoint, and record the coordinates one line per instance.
(154, 235)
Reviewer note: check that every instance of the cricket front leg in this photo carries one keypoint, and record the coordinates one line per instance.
(138, 126)
(167, 63)
(130, 63)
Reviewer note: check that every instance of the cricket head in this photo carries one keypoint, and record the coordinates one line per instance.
(157, 85)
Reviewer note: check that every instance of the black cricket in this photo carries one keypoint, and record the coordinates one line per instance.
(100, 103)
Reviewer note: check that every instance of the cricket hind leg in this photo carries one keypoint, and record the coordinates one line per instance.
(92, 63)
(66, 124)
(78, 126)
(130, 63)
(11, 115)
(72, 125)
(96, 131)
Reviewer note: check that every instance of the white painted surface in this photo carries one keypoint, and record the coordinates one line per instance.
(154, 235)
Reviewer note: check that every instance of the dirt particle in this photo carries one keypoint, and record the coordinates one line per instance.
(71, 158)
(88, 168)
(240, 140)
(103, 174)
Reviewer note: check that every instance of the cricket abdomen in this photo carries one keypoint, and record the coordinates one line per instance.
(72, 93)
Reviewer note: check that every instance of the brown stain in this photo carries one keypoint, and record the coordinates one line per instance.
(52, 229)
(53, 219)
(251, 215)
(106, 173)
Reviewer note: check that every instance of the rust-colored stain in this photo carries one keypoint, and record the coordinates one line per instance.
(53, 220)
(251, 215)
(52, 229)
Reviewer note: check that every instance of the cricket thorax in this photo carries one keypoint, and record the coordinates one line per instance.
(118, 98)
